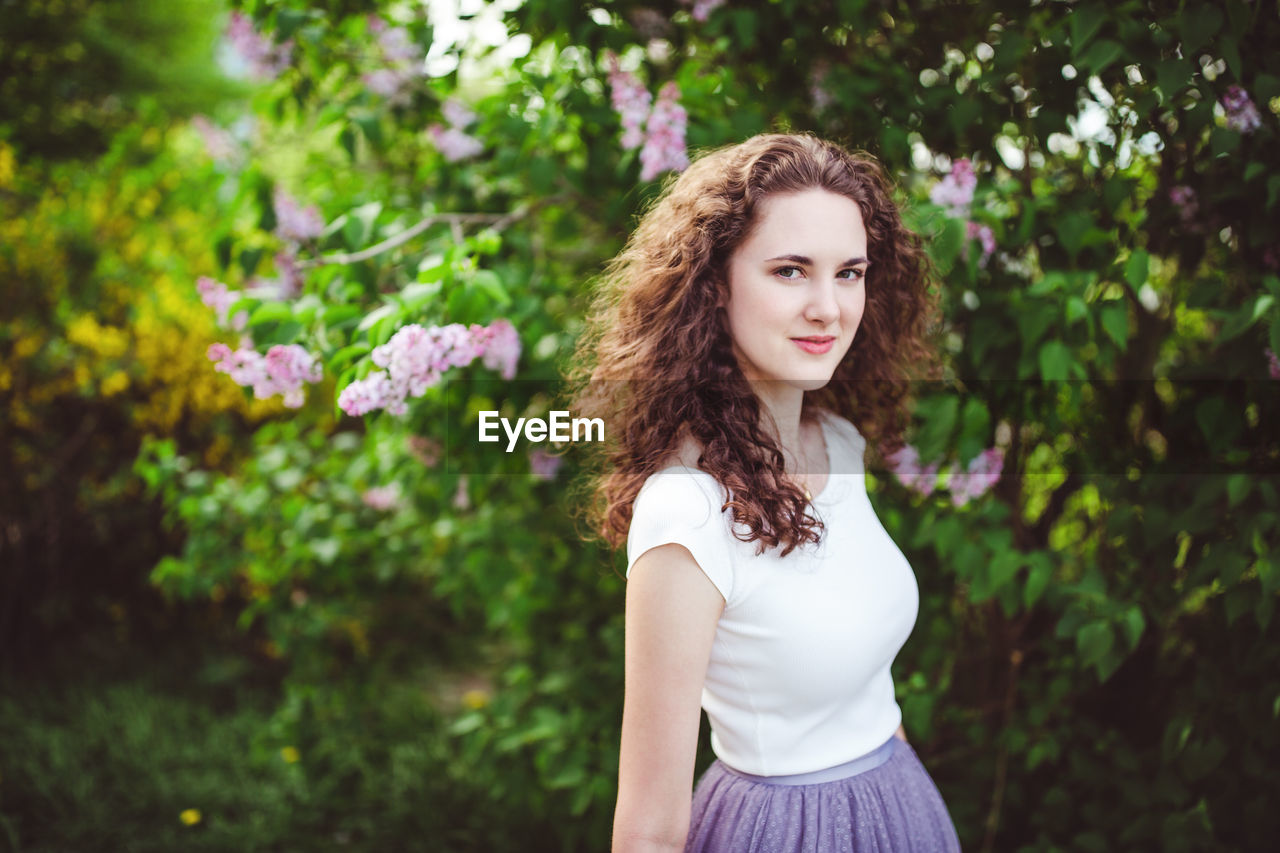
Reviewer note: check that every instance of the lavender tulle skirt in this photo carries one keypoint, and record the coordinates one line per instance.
(884, 801)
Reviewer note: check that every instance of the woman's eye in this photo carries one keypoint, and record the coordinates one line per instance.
(780, 272)
(857, 273)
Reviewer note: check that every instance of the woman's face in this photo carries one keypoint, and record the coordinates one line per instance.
(797, 288)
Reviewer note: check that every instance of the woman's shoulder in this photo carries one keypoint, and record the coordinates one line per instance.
(679, 481)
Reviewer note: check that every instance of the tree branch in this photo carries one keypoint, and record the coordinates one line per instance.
(497, 221)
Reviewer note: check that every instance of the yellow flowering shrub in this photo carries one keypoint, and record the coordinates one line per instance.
(106, 304)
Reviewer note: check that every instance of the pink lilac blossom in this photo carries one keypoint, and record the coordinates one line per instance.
(501, 347)
(461, 498)
(1184, 198)
(544, 465)
(290, 274)
(906, 467)
(981, 474)
(818, 91)
(387, 83)
(1242, 115)
(664, 146)
(955, 191)
(216, 295)
(383, 498)
(457, 113)
(219, 143)
(283, 370)
(425, 450)
(702, 9)
(398, 46)
(453, 143)
(649, 23)
(265, 58)
(1271, 258)
(1273, 363)
(631, 100)
(402, 59)
(295, 223)
(417, 357)
(984, 235)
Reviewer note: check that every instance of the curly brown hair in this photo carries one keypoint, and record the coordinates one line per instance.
(656, 360)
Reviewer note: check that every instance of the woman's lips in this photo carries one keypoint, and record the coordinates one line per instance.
(816, 345)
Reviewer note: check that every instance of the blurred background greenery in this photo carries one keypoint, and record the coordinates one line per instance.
(228, 623)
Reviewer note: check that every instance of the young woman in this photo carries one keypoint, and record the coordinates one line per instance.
(768, 300)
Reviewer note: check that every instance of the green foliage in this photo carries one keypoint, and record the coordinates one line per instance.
(1074, 677)
(74, 72)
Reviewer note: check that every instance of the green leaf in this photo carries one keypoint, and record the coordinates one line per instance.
(1051, 280)
(1265, 87)
(1076, 309)
(249, 260)
(377, 314)
(948, 243)
(371, 127)
(1231, 53)
(1072, 226)
(1115, 322)
(337, 316)
(1033, 321)
(1264, 303)
(938, 416)
(975, 428)
(1085, 23)
(1134, 624)
(359, 228)
(271, 312)
(325, 550)
(1223, 141)
(1197, 24)
(488, 283)
(1172, 76)
(1055, 361)
(1274, 337)
(417, 294)
(340, 358)
(1267, 575)
(1100, 55)
(348, 141)
(1094, 642)
(1037, 578)
(1137, 268)
(287, 23)
(1004, 567)
(1238, 487)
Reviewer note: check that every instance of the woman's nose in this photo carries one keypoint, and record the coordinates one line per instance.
(822, 305)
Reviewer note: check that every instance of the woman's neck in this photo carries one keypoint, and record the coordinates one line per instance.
(781, 407)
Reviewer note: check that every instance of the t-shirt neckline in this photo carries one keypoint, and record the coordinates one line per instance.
(828, 489)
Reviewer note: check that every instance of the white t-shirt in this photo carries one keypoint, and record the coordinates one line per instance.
(798, 678)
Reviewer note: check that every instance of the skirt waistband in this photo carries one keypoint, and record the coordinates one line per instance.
(862, 764)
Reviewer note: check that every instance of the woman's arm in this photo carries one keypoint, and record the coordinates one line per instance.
(672, 610)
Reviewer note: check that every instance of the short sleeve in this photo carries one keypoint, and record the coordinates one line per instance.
(680, 507)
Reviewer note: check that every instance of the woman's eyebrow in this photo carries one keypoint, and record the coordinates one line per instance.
(801, 259)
